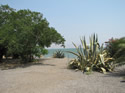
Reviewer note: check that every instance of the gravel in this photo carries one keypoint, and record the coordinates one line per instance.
(50, 75)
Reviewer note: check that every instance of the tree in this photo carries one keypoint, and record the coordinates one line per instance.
(26, 34)
(5, 12)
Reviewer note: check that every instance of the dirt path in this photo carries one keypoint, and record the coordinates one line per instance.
(52, 76)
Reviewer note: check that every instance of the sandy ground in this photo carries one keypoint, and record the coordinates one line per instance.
(52, 76)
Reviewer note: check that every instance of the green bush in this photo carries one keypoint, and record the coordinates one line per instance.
(91, 57)
(25, 34)
(58, 54)
(116, 48)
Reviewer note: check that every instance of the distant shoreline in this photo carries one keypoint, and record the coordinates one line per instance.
(67, 55)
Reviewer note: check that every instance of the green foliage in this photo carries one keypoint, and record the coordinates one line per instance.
(25, 33)
(58, 54)
(91, 57)
(116, 48)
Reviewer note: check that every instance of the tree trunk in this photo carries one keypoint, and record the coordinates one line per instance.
(1, 57)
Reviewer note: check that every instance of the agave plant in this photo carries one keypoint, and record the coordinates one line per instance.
(92, 56)
(58, 54)
(74, 64)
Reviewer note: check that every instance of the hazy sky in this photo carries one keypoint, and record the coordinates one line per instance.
(77, 18)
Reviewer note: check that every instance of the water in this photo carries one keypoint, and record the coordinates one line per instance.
(68, 55)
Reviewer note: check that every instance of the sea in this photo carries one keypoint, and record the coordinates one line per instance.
(65, 51)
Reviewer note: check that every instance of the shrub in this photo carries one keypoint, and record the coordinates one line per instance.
(91, 57)
(116, 48)
(58, 54)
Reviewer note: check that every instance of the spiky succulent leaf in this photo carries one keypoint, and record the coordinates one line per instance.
(103, 70)
(93, 56)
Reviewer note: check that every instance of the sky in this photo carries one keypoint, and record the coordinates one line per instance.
(74, 19)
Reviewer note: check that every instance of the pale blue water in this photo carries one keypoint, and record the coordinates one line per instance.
(68, 55)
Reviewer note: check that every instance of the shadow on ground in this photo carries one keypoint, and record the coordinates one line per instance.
(118, 73)
(15, 63)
